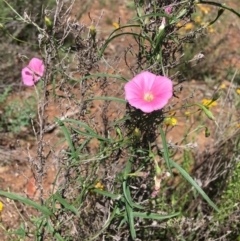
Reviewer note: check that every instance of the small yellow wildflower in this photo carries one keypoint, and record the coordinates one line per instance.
(93, 32)
(170, 121)
(198, 19)
(179, 25)
(238, 91)
(48, 22)
(238, 125)
(187, 113)
(209, 103)
(98, 185)
(1, 206)
(188, 26)
(211, 29)
(204, 9)
(115, 25)
(137, 132)
(223, 86)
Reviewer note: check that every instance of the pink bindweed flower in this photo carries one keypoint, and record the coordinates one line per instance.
(168, 11)
(33, 72)
(148, 92)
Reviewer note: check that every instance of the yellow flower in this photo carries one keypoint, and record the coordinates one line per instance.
(179, 25)
(93, 32)
(204, 9)
(238, 125)
(211, 29)
(188, 26)
(1, 206)
(223, 86)
(198, 19)
(238, 91)
(137, 132)
(187, 113)
(48, 22)
(209, 103)
(98, 185)
(170, 121)
(115, 25)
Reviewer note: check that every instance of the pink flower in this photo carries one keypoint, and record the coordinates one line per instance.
(33, 72)
(148, 92)
(168, 11)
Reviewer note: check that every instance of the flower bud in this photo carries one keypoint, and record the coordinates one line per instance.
(93, 32)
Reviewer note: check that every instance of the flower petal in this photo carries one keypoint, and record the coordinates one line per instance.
(37, 66)
(144, 80)
(27, 77)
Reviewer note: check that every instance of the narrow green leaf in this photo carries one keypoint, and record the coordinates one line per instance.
(126, 190)
(90, 132)
(207, 112)
(125, 26)
(130, 220)
(165, 150)
(119, 35)
(108, 98)
(67, 137)
(66, 205)
(154, 215)
(107, 194)
(27, 201)
(93, 135)
(194, 184)
(54, 232)
(220, 12)
(163, 14)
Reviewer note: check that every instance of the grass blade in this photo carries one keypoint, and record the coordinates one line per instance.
(109, 98)
(194, 184)
(27, 201)
(154, 215)
(66, 205)
(165, 150)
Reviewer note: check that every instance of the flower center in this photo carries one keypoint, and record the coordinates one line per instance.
(148, 96)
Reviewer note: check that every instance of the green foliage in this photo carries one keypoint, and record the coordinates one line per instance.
(17, 113)
(5, 94)
(230, 197)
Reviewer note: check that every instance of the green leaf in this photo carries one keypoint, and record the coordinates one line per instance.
(156, 216)
(54, 232)
(165, 150)
(119, 35)
(108, 98)
(126, 190)
(130, 220)
(194, 184)
(67, 136)
(207, 112)
(107, 194)
(66, 205)
(20, 231)
(89, 131)
(27, 201)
